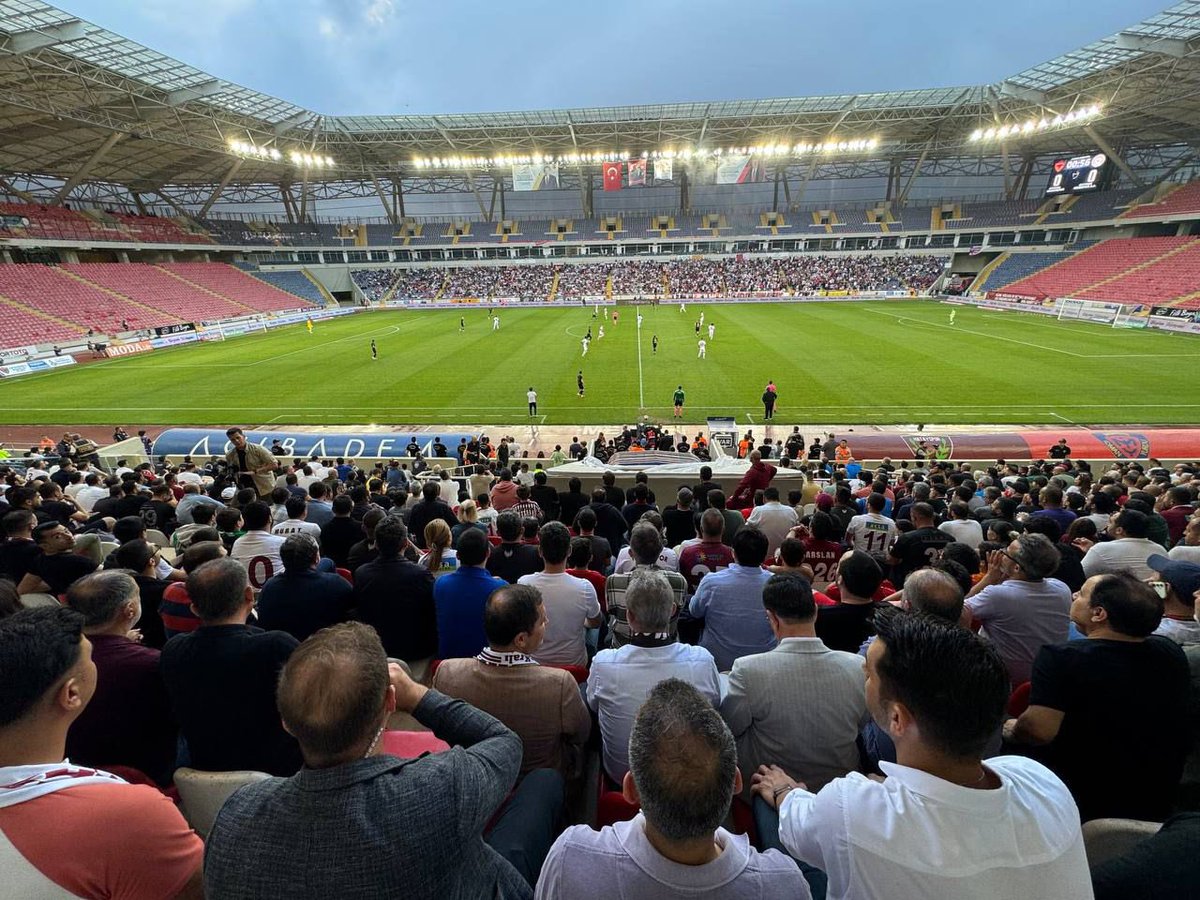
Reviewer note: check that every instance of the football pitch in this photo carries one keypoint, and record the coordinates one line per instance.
(868, 362)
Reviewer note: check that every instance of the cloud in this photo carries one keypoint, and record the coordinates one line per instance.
(327, 28)
(379, 11)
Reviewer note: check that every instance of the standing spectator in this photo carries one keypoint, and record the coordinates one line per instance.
(126, 840)
(504, 491)
(222, 677)
(1020, 606)
(730, 603)
(679, 519)
(571, 603)
(801, 705)
(395, 597)
(253, 466)
(358, 821)
(609, 524)
(757, 478)
(1130, 771)
(545, 497)
(430, 507)
(541, 704)
(645, 551)
(571, 502)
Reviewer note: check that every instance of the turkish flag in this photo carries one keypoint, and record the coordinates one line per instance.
(612, 176)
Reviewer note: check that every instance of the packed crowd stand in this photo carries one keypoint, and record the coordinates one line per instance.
(732, 276)
(829, 692)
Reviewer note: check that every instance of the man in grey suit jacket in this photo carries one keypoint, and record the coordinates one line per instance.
(357, 823)
(801, 701)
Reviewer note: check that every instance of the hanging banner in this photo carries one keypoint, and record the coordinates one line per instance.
(612, 176)
(738, 169)
(637, 173)
(664, 169)
(535, 176)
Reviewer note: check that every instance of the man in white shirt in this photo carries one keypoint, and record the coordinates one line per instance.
(962, 527)
(942, 825)
(774, 519)
(93, 490)
(801, 705)
(571, 603)
(621, 679)
(258, 550)
(295, 523)
(1128, 551)
(873, 532)
(675, 847)
(1188, 549)
(1181, 587)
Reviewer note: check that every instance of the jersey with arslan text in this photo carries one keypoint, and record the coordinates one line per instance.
(824, 557)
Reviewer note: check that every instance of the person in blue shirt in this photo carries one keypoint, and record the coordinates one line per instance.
(460, 598)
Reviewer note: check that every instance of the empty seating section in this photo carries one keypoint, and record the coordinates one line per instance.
(1022, 265)
(1093, 207)
(60, 223)
(997, 214)
(154, 230)
(295, 283)
(1181, 201)
(21, 327)
(230, 282)
(158, 288)
(1104, 261)
(52, 291)
(1169, 278)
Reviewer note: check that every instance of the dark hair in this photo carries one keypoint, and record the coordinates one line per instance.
(98, 596)
(580, 553)
(1133, 608)
(298, 552)
(554, 541)
(390, 537)
(217, 588)
(203, 514)
(331, 690)
(279, 495)
(10, 601)
(17, 521)
(860, 573)
(295, 506)
(472, 547)
(256, 516)
(509, 611)
(792, 551)
(952, 681)
(963, 554)
(876, 502)
(789, 597)
(134, 555)
(1133, 523)
(199, 553)
(683, 760)
(37, 648)
(508, 526)
(227, 518)
(823, 526)
(342, 505)
(585, 519)
(317, 490)
(750, 546)
(128, 528)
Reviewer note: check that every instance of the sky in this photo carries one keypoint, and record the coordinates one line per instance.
(361, 57)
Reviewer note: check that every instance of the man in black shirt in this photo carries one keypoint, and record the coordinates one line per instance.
(428, 508)
(511, 558)
(852, 620)
(679, 520)
(57, 568)
(544, 496)
(341, 532)
(222, 676)
(612, 493)
(1060, 450)
(301, 600)
(638, 505)
(571, 502)
(917, 548)
(700, 491)
(159, 513)
(609, 523)
(395, 597)
(1112, 708)
(19, 551)
(132, 500)
(58, 507)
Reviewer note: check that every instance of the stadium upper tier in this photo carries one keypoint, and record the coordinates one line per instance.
(46, 223)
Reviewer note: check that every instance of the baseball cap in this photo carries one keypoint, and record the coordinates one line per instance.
(1184, 577)
(824, 501)
(229, 493)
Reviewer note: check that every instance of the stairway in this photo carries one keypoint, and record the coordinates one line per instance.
(986, 272)
(204, 290)
(329, 300)
(553, 287)
(117, 296)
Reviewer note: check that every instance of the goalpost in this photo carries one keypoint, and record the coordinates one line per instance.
(1100, 311)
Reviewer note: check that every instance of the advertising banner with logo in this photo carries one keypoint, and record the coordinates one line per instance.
(14, 354)
(181, 328)
(36, 365)
(204, 442)
(129, 349)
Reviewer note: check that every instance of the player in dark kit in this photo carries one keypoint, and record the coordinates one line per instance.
(462, 323)
(579, 381)
(374, 351)
(697, 328)
(654, 344)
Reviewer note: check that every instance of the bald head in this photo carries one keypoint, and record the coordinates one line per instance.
(934, 592)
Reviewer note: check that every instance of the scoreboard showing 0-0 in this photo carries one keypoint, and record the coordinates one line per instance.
(1077, 175)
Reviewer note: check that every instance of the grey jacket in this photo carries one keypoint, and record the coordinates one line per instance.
(378, 827)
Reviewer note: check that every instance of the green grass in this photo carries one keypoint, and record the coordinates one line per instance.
(856, 363)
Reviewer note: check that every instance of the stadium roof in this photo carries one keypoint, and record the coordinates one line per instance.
(80, 103)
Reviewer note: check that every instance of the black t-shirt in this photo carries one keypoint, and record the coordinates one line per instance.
(16, 558)
(130, 506)
(61, 570)
(680, 525)
(58, 510)
(846, 625)
(159, 514)
(1124, 734)
(511, 561)
(917, 549)
(338, 535)
(106, 506)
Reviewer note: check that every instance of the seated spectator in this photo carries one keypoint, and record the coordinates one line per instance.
(621, 678)
(58, 566)
(1164, 866)
(302, 599)
(1109, 710)
(296, 521)
(645, 552)
(504, 492)
(708, 553)
(1188, 549)
(221, 678)
(525, 507)
(541, 704)
(1180, 586)
(175, 610)
(578, 558)
(1019, 605)
(917, 548)
(774, 519)
(571, 603)
(356, 821)
(1127, 551)
(128, 721)
(730, 603)
(460, 599)
(675, 846)
(19, 549)
(1053, 507)
(440, 559)
(141, 560)
(468, 518)
(319, 510)
(126, 840)
(667, 560)
(602, 555)
(940, 802)
(851, 620)
(395, 597)
(801, 705)
(10, 600)
(258, 548)
(511, 559)
(633, 510)
(962, 527)
(341, 533)
(183, 536)
(1070, 558)
(365, 551)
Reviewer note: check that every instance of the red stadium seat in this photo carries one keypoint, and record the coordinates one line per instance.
(579, 673)
(611, 806)
(411, 744)
(347, 574)
(1018, 702)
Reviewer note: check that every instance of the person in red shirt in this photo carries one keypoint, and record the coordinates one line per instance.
(708, 554)
(67, 829)
(1176, 509)
(757, 477)
(578, 558)
(821, 548)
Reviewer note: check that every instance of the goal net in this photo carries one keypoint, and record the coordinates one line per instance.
(1131, 317)
(1088, 310)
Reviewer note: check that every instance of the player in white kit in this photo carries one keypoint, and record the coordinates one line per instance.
(495, 323)
(703, 345)
(585, 343)
(712, 330)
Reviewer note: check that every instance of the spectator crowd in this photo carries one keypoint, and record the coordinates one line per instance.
(914, 680)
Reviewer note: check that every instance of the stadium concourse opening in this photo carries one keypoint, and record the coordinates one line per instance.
(654, 499)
